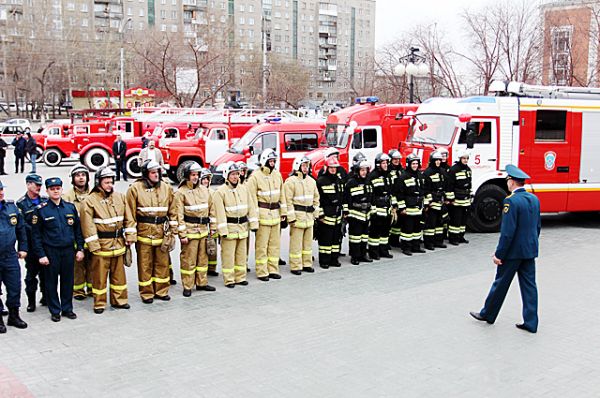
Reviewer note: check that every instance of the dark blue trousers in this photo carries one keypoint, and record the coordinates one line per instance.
(62, 265)
(525, 269)
(10, 276)
(34, 271)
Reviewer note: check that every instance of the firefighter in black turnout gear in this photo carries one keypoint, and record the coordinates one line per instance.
(459, 195)
(445, 169)
(435, 184)
(331, 193)
(410, 192)
(383, 209)
(358, 200)
(395, 173)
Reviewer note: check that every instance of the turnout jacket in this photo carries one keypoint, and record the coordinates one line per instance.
(102, 223)
(266, 189)
(76, 197)
(234, 212)
(149, 212)
(331, 194)
(302, 196)
(410, 191)
(382, 197)
(193, 205)
(435, 186)
(459, 184)
(359, 197)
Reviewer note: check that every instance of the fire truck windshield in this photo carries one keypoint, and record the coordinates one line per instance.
(243, 142)
(433, 128)
(335, 136)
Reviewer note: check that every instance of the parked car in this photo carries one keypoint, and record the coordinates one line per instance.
(24, 123)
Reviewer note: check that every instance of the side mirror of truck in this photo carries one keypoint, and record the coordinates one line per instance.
(247, 151)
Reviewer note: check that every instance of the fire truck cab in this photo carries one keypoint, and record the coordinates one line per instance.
(553, 133)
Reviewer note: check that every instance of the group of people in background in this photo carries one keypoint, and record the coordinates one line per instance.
(23, 145)
(81, 240)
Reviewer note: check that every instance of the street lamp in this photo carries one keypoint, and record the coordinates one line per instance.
(412, 65)
(122, 80)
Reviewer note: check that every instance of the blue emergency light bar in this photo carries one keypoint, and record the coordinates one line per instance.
(367, 100)
(273, 119)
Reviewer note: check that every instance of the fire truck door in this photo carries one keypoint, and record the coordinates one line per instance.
(484, 152)
(217, 142)
(545, 154)
(368, 141)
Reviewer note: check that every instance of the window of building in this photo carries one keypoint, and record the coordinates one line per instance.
(242, 21)
(551, 125)
(141, 12)
(84, 22)
(84, 8)
(561, 54)
(163, 14)
(242, 8)
(250, 21)
(173, 14)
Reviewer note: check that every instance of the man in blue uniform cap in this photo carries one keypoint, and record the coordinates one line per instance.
(57, 242)
(516, 252)
(12, 229)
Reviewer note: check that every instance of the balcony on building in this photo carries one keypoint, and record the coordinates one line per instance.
(328, 9)
(192, 5)
(108, 1)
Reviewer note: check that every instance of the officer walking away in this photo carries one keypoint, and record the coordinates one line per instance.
(19, 147)
(119, 150)
(211, 241)
(302, 198)
(459, 195)
(102, 220)
(148, 216)
(233, 215)
(12, 230)
(58, 243)
(395, 173)
(80, 190)
(383, 211)
(435, 186)
(34, 271)
(265, 186)
(358, 198)
(410, 191)
(517, 249)
(193, 203)
(331, 194)
(3, 146)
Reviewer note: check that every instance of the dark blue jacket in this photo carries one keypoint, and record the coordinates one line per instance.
(12, 228)
(19, 144)
(55, 226)
(27, 208)
(521, 225)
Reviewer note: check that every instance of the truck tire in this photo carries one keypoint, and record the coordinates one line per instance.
(39, 151)
(486, 210)
(96, 158)
(179, 172)
(132, 166)
(172, 174)
(52, 157)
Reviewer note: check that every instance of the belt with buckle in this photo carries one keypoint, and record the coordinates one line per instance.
(270, 206)
(196, 220)
(111, 234)
(151, 219)
(306, 209)
(237, 220)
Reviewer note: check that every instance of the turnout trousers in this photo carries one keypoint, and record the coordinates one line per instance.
(411, 231)
(82, 282)
(194, 263)
(267, 249)
(300, 248)
(329, 246)
(525, 269)
(153, 271)
(233, 260)
(113, 269)
(434, 227)
(358, 231)
(458, 222)
(62, 263)
(379, 233)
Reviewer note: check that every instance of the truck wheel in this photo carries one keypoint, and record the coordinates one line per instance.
(52, 157)
(172, 174)
(96, 158)
(486, 210)
(132, 166)
(179, 172)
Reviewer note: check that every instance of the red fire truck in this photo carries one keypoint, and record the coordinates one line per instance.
(61, 140)
(553, 133)
(366, 127)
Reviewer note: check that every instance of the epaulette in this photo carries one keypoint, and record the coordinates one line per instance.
(21, 199)
(43, 204)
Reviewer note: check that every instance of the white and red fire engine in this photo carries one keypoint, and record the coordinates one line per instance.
(553, 133)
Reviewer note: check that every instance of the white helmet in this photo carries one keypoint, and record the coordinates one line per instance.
(231, 167)
(463, 153)
(267, 155)
(78, 168)
(331, 151)
(191, 168)
(148, 166)
(299, 161)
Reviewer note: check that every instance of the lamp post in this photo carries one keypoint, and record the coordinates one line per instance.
(122, 55)
(412, 65)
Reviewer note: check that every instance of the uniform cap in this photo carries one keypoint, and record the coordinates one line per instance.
(516, 173)
(53, 182)
(35, 178)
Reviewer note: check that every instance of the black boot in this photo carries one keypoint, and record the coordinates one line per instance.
(31, 302)
(366, 258)
(374, 253)
(429, 246)
(14, 319)
(385, 253)
(354, 261)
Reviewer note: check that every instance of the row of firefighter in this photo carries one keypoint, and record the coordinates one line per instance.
(92, 231)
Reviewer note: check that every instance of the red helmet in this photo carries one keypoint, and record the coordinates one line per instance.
(332, 162)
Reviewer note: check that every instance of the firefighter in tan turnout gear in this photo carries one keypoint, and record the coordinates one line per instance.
(192, 205)
(80, 181)
(234, 217)
(102, 220)
(149, 218)
(265, 185)
(302, 198)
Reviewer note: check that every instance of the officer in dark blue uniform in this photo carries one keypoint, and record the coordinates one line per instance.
(27, 204)
(12, 229)
(516, 252)
(57, 242)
